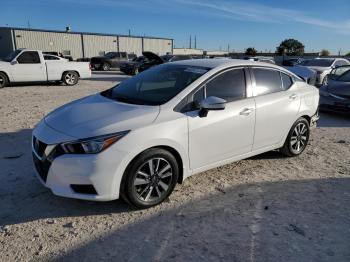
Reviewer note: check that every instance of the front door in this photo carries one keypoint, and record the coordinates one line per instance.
(28, 68)
(226, 133)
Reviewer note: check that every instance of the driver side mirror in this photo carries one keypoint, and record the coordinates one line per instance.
(211, 103)
(14, 62)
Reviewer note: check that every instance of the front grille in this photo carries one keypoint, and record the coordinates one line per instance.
(42, 167)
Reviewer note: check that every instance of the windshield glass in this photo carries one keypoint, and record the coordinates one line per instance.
(111, 54)
(318, 62)
(155, 86)
(138, 59)
(12, 55)
(345, 77)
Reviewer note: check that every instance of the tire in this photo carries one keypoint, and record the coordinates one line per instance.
(3, 80)
(143, 189)
(297, 138)
(70, 78)
(106, 67)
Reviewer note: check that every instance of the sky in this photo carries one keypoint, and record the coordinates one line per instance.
(217, 24)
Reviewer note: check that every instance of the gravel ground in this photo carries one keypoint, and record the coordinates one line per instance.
(266, 208)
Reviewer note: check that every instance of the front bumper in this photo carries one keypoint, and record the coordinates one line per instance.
(331, 104)
(62, 172)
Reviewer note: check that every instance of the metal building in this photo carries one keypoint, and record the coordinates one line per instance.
(79, 44)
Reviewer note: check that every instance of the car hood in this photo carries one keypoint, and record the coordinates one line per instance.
(339, 88)
(97, 115)
(4, 63)
(152, 56)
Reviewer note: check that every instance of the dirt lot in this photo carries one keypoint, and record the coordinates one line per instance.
(267, 208)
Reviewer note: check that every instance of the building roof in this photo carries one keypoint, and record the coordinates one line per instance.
(84, 33)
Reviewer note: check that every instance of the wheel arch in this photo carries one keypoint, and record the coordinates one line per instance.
(66, 71)
(6, 75)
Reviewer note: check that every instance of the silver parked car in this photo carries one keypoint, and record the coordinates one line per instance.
(324, 66)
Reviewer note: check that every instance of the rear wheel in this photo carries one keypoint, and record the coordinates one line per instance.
(106, 67)
(297, 138)
(70, 78)
(3, 80)
(150, 178)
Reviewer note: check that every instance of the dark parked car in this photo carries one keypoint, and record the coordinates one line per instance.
(292, 61)
(148, 60)
(335, 95)
(109, 60)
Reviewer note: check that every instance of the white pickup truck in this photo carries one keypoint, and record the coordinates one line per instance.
(24, 65)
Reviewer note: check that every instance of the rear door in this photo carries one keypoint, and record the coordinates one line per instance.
(225, 133)
(277, 105)
(29, 68)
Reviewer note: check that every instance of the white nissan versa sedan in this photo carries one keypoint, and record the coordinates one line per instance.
(141, 137)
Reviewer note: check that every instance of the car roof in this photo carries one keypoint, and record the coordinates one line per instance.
(213, 63)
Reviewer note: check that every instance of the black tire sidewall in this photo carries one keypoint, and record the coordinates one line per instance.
(129, 191)
(5, 82)
(290, 149)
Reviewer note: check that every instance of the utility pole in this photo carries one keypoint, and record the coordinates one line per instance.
(190, 41)
(129, 32)
(195, 42)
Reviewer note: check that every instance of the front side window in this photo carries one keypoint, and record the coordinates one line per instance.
(156, 85)
(29, 57)
(267, 81)
(229, 85)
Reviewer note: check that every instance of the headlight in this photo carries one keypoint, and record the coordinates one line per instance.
(92, 145)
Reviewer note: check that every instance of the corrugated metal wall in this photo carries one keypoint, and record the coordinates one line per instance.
(79, 44)
(130, 45)
(50, 41)
(95, 44)
(158, 46)
(6, 42)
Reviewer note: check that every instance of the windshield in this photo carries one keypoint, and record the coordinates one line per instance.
(345, 77)
(155, 86)
(138, 59)
(318, 62)
(111, 54)
(12, 55)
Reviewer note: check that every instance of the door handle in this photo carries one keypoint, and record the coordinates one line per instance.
(246, 111)
(294, 96)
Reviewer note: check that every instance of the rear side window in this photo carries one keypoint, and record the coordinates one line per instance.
(229, 85)
(29, 57)
(287, 81)
(267, 81)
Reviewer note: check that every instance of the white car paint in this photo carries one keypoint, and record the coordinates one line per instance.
(245, 128)
(46, 70)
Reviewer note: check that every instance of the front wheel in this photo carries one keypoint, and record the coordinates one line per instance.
(297, 138)
(70, 78)
(150, 178)
(3, 80)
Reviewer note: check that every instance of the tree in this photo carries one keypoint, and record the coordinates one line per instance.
(324, 52)
(250, 51)
(348, 54)
(290, 47)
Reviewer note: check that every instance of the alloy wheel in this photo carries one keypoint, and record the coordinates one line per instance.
(299, 137)
(70, 78)
(153, 179)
